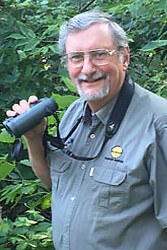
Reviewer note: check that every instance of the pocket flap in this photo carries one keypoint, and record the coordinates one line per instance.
(109, 176)
(62, 168)
(60, 165)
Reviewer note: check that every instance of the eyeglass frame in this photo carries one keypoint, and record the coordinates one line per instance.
(65, 58)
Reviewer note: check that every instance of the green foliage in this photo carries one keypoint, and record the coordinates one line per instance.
(14, 193)
(29, 64)
(145, 23)
(5, 168)
(31, 231)
(28, 50)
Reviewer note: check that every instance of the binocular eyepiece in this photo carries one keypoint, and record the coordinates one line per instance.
(17, 126)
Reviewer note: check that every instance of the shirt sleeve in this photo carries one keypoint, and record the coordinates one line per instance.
(158, 171)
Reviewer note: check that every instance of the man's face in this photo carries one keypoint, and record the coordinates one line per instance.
(96, 82)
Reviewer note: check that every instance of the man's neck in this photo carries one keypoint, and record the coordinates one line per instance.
(96, 105)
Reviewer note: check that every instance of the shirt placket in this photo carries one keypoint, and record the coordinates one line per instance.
(81, 168)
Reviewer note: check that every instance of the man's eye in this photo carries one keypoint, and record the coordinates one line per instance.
(99, 54)
(76, 57)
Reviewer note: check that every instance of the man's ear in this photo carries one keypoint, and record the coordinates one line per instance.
(125, 66)
(126, 58)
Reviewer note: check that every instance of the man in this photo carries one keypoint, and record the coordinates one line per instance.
(109, 182)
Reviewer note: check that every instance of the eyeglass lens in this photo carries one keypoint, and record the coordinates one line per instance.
(97, 57)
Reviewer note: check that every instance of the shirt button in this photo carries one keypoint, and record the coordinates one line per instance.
(72, 198)
(92, 136)
(83, 166)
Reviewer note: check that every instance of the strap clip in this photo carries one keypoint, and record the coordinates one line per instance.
(111, 129)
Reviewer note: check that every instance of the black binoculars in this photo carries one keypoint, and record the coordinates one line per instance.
(18, 125)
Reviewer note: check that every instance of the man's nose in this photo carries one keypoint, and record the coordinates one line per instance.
(88, 66)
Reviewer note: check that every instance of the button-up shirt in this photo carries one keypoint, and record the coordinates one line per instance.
(119, 199)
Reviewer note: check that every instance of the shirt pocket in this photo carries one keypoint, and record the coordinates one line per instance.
(110, 187)
(60, 174)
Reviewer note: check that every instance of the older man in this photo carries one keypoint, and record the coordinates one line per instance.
(109, 182)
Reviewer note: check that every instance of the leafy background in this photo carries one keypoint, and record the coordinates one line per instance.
(29, 64)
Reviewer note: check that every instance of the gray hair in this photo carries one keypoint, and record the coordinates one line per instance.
(84, 20)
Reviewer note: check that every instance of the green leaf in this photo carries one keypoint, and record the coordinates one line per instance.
(22, 246)
(28, 189)
(22, 43)
(23, 221)
(17, 36)
(31, 44)
(51, 28)
(21, 54)
(36, 215)
(54, 48)
(68, 84)
(44, 2)
(26, 162)
(46, 202)
(64, 101)
(6, 226)
(36, 203)
(5, 137)
(154, 45)
(5, 169)
(26, 31)
(11, 192)
(42, 227)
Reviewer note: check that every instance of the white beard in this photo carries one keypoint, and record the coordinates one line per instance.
(87, 94)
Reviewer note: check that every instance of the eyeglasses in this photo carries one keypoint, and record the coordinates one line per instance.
(98, 57)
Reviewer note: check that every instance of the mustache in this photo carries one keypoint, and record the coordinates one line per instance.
(91, 78)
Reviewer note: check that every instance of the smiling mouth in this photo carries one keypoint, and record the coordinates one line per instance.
(91, 79)
(96, 80)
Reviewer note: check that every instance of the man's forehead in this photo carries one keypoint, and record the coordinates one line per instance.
(97, 35)
(101, 26)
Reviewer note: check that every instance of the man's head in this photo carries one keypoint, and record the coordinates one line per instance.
(96, 52)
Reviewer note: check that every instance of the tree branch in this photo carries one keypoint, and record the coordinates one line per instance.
(86, 6)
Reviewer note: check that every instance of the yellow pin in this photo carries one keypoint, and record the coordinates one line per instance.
(116, 152)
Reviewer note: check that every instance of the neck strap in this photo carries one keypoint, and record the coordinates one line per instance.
(115, 118)
(120, 107)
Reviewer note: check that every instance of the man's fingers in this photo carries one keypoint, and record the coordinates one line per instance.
(21, 107)
(24, 104)
(18, 109)
(10, 113)
(32, 99)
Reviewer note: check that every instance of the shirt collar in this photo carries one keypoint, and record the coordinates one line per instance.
(102, 114)
(87, 114)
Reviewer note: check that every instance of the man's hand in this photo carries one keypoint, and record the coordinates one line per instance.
(22, 107)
